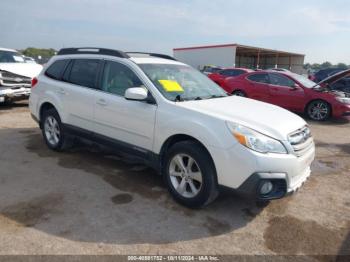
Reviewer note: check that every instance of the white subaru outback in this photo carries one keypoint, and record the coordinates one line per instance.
(174, 118)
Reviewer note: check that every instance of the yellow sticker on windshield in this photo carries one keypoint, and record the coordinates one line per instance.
(171, 86)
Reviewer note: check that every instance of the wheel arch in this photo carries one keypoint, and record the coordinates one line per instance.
(172, 140)
(44, 107)
(239, 89)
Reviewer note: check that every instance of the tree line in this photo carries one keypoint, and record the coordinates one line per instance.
(324, 65)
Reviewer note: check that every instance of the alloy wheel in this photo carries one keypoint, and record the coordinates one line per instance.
(318, 110)
(52, 130)
(185, 175)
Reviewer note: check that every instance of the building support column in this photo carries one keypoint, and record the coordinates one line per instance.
(276, 61)
(258, 60)
(290, 62)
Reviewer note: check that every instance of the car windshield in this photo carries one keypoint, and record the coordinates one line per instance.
(305, 81)
(181, 82)
(10, 57)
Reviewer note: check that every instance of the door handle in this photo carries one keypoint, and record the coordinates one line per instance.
(101, 102)
(61, 91)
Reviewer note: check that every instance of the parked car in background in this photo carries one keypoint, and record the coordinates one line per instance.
(324, 73)
(293, 92)
(176, 120)
(28, 59)
(221, 75)
(209, 69)
(15, 75)
(342, 85)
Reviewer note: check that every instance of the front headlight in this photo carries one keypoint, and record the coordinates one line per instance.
(344, 100)
(255, 140)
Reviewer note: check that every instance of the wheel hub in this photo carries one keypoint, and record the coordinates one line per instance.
(185, 175)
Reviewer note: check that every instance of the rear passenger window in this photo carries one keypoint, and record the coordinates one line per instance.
(84, 72)
(56, 69)
(259, 78)
(118, 77)
(235, 72)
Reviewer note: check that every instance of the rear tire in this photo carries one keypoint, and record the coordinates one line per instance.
(190, 174)
(318, 110)
(53, 131)
(239, 93)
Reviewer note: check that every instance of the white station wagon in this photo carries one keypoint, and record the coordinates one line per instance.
(174, 118)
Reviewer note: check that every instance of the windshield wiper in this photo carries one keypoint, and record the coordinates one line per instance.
(178, 98)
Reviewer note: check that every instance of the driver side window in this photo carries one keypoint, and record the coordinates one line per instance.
(117, 78)
(280, 80)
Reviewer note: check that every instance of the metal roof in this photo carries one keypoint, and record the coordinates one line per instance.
(242, 49)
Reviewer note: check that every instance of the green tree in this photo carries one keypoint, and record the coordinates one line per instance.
(316, 66)
(307, 66)
(326, 65)
(36, 52)
(342, 66)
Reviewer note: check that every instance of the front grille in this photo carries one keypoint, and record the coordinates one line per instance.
(10, 79)
(301, 141)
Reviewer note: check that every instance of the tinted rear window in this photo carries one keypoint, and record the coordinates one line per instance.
(232, 72)
(84, 72)
(259, 78)
(56, 69)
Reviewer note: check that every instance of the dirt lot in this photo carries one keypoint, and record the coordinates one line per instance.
(87, 201)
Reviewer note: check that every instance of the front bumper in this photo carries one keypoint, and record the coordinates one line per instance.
(244, 170)
(340, 110)
(14, 94)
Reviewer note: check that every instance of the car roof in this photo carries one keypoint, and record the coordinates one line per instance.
(154, 60)
(136, 57)
(7, 49)
(286, 73)
(238, 68)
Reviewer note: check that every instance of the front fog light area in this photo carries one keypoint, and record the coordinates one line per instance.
(266, 187)
(271, 188)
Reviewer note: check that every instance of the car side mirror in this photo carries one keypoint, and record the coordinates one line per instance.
(136, 94)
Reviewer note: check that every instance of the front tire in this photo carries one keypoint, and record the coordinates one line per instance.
(318, 110)
(53, 130)
(190, 174)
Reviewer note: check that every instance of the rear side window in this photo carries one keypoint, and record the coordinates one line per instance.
(56, 69)
(232, 72)
(259, 78)
(84, 72)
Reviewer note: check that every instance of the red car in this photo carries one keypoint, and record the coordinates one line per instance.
(293, 92)
(221, 75)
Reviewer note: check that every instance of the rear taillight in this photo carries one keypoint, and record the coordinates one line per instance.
(34, 82)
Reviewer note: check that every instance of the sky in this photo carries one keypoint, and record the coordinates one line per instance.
(320, 29)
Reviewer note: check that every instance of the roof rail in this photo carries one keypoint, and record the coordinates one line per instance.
(142, 54)
(92, 50)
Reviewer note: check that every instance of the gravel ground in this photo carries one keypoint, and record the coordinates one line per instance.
(87, 201)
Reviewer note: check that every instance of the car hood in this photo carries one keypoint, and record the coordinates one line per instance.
(265, 118)
(334, 78)
(24, 69)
